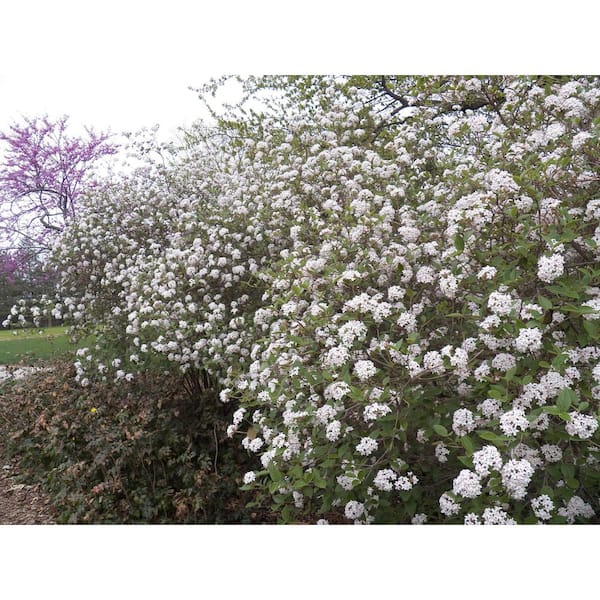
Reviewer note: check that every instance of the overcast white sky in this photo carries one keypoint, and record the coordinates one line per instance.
(106, 64)
(124, 64)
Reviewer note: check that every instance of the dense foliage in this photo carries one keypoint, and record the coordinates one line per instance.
(108, 454)
(393, 281)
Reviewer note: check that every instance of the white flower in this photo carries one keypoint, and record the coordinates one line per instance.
(550, 267)
(467, 484)
(448, 506)
(576, 507)
(551, 453)
(345, 482)
(419, 519)
(374, 411)
(516, 475)
(352, 330)
(332, 433)
(336, 357)
(298, 499)
(497, 516)
(582, 426)
(529, 340)
(354, 510)
(432, 361)
(487, 273)
(448, 283)
(486, 459)
(504, 362)
(500, 304)
(471, 519)
(396, 293)
(463, 421)
(441, 452)
(336, 390)
(406, 482)
(408, 321)
(425, 275)
(254, 445)
(366, 446)
(249, 477)
(364, 369)
(542, 507)
(490, 408)
(513, 421)
(238, 415)
(596, 373)
(384, 480)
(324, 414)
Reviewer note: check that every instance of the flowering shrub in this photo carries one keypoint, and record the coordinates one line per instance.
(403, 299)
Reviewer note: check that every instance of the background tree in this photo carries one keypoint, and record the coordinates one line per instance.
(43, 172)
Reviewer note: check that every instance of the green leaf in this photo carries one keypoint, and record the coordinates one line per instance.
(274, 472)
(489, 436)
(592, 328)
(318, 479)
(565, 398)
(459, 243)
(465, 460)
(467, 443)
(544, 302)
(563, 291)
(321, 483)
(568, 471)
(440, 430)
(296, 472)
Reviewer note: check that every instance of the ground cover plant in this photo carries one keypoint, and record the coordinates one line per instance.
(105, 454)
(391, 282)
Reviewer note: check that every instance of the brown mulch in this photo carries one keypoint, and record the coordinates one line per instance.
(22, 504)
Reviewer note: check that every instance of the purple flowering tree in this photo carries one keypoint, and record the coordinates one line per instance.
(43, 171)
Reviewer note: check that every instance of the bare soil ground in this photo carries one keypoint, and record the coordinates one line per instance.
(22, 504)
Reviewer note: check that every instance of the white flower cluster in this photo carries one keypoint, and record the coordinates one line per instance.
(529, 340)
(551, 267)
(364, 369)
(516, 475)
(542, 507)
(576, 507)
(513, 421)
(467, 484)
(463, 421)
(487, 459)
(500, 304)
(448, 506)
(366, 446)
(374, 411)
(581, 426)
(354, 510)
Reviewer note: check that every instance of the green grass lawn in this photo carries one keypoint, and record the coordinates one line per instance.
(29, 345)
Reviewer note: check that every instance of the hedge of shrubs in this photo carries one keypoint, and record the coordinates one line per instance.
(393, 283)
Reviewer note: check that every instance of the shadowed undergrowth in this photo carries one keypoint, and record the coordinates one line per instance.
(139, 453)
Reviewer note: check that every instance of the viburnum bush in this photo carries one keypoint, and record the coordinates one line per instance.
(396, 280)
